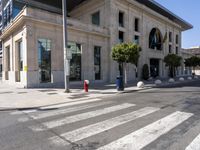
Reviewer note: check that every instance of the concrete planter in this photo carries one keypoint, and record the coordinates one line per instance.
(157, 82)
(171, 80)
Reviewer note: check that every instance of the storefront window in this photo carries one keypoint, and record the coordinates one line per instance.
(44, 60)
(20, 48)
(97, 62)
(75, 62)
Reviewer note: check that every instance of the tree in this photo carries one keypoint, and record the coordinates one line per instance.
(172, 61)
(126, 53)
(193, 61)
(145, 72)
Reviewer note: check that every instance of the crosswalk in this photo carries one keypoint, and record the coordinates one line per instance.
(115, 116)
(195, 145)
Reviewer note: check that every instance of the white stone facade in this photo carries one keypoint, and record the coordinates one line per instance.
(33, 24)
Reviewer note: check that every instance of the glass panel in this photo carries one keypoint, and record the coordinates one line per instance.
(44, 60)
(136, 39)
(96, 18)
(20, 48)
(136, 24)
(17, 8)
(170, 36)
(121, 19)
(8, 58)
(121, 37)
(155, 39)
(170, 49)
(75, 62)
(97, 62)
(176, 50)
(154, 67)
(176, 39)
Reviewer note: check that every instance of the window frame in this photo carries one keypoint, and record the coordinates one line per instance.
(98, 76)
(96, 22)
(121, 33)
(137, 25)
(157, 43)
(122, 18)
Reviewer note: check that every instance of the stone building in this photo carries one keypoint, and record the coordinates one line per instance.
(33, 45)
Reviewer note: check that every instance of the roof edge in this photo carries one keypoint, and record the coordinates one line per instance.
(152, 4)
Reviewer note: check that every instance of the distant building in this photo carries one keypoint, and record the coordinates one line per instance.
(186, 70)
(194, 51)
(33, 41)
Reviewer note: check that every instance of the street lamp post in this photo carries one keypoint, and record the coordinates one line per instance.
(66, 51)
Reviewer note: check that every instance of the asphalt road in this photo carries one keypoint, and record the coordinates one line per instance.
(153, 119)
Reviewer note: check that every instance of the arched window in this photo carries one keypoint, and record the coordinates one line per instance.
(155, 39)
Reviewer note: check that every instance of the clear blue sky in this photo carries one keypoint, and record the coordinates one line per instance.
(188, 10)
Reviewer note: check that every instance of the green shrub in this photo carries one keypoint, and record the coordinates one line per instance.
(145, 72)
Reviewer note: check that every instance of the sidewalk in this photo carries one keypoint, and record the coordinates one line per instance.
(12, 98)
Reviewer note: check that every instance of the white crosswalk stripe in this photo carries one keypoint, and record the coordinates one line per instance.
(195, 145)
(144, 136)
(72, 103)
(83, 116)
(135, 140)
(93, 129)
(67, 110)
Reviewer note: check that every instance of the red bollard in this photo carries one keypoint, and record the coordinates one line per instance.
(86, 85)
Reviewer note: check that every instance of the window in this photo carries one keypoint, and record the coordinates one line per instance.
(121, 19)
(7, 12)
(177, 50)
(136, 39)
(121, 37)
(170, 49)
(75, 62)
(17, 7)
(136, 24)
(155, 39)
(97, 62)
(177, 40)
(8, 63)
(96, 18)
(20, 51)
(44, 60)
(170, 36)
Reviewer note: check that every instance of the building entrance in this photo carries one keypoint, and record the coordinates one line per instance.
(154, 68)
